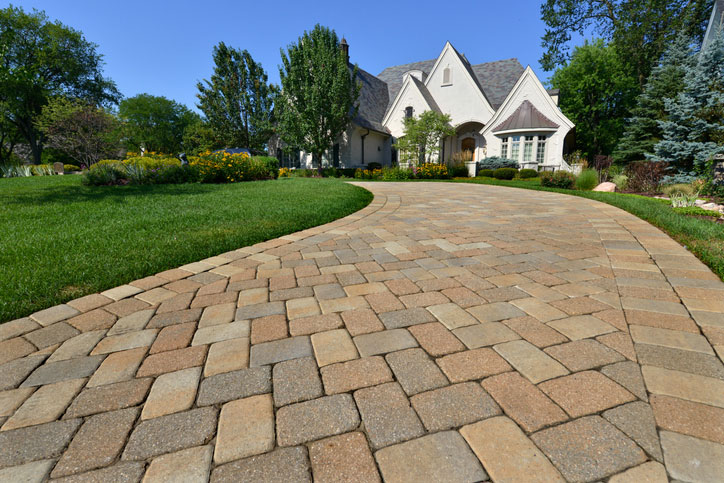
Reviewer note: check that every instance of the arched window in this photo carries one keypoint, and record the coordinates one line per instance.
(408, 111)
(446, 76)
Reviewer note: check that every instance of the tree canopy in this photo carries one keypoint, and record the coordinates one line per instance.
(639, 29)
(422, 137)
(597, 91)
(319, 92)
(238, 100)
(43, 59)
(155, 122)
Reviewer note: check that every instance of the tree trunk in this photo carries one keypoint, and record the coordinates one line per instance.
(320, 171)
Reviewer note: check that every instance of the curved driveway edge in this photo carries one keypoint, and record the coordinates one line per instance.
(444, 332)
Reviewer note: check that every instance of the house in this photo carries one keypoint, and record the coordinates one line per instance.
(716, 22)
(497, 109)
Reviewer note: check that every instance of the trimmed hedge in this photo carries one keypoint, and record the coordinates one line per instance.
(527, 173)
(505, 173)
(486, 173)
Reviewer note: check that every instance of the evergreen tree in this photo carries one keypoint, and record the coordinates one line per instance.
(666, 81)
(238, 100)
(695, 123)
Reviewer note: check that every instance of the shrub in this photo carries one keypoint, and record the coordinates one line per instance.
(373, 166)
(458, 170)
(672, 189)
(42, 169)
(345, 173)
(101, 174)
(528, 173)
(587, 180)
(285, 173)
(679, 178)
(495, 162)
(621, 181)
(13, 171)
(368, 173)
(395, 174)
(222, 167)
(271, 163)
(69, 168)
(431, 171)
(505, 173)
(487, 173)
(645, 176)
(558, 179)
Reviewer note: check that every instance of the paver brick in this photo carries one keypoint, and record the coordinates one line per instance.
(228, 386)
(415, 371)
(260, 310)
(306, 421)
(45, 405)
(581, 327)
(12, 399)
(34, 443)
(77, 346)
(472, 364)
(581, 355)
(246, 428)
(63, 370)
(345, 457)
(436, 457)
(98, 442)
(636, 420)
(454, 406)
(436, 339)
(530, 361)
(130, 323)
(496, 311)
(122, 342)
(690, 418)
(588, 449)
(29, 472)
(405, 318)
(173, 337)
(171, 433)
(269, 328)
(692, 459)
(523, 401)
(333, 346)
(280, 350)
(627, 374)
(217, 314)
(507, 453)
(680, 360)
(180, 316)
(535, 332)
(356, 374)
(14, 372)
(217, 333)
(45, 337)
(585, 392)
(383, 342)
(651, 472)
(170, 361)
(387, 415)
(117, 367)
(291, 463)
(486, 334)
(674, 339)
(295, 381)
(361, 321)
(302, 307)
(109, 397)
(315, 323)
(226, 356)
(192, 464)
(125, 307)
(171, 393)
(692, 387)
(90, 302)
(54, 314)
(94, 320)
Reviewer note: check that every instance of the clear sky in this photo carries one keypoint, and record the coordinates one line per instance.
(164, 47)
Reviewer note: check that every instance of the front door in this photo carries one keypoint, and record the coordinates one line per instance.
(468, 144)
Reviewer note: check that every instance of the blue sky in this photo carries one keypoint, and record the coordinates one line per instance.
(164, 48)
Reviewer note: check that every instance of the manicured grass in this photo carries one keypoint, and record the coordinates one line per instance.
(702, 237)
(60, 240)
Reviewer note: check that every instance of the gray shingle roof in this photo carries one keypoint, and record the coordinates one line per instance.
(525, 117)
(372, 101)
(426, 94)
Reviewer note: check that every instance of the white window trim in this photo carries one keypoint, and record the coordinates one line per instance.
(450, 77)
(508, 152)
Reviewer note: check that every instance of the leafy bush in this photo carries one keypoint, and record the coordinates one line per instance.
(396, 174)
(368, 173)
(431, 171)
(42, 169)
(645, 176)
(15, 171)
(101, 174)
(621, 181)
(222, 167)
(495, 162)
(673, 189)
(696, 211)
(527, 173)
(373, 166)
(487, 173)
(458, 170)
(505, 173)
(679, 178)
(558, 179)
(285, 173)
(587, 180)
(69, 168)
(271, 163)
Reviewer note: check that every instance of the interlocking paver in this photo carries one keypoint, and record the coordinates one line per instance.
(45, 405)
(30, 472)
(587, 286)
(171, 393)
(246, 428)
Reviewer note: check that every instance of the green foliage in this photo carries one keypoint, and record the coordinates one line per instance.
(486, 173)
(505, 173)
(238, 100)
(42, 170)
(80, 130)
(199, 137)
(683, 188)
(558, 179)
(621, 181)
(372, 166)
(495, 162)
(271, 165)
(69, 168)
(396, 174)
(597, 92)
(420, 142)
(527, 173)
(42, 59)
(694, 128)
(319, 92)
(696, 211)
(587, 180)
(665, 82)
(458, 170)
(154, 122)
(640, 29)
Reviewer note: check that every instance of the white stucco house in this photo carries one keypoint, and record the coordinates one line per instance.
(716, 23)
(497, 109)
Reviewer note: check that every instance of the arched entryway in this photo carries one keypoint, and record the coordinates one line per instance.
(469, 144)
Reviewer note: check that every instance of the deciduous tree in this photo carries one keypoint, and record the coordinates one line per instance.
(423, 134)
(319, 92)
(155, 122)
(42, 59)
(238, 100)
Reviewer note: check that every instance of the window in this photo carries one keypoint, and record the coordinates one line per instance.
(515, 148)
(504, 148)
(408, 111)
(528, 149)
(540, 155)
(446, 76)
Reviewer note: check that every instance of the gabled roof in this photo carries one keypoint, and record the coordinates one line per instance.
(495, 79)
(426, 94)
(525, 117)
(372, 102)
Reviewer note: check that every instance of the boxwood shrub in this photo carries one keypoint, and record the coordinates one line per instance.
(505, 173)
(487, 173)
(528, 173)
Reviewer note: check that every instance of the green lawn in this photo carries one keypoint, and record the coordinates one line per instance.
(704, 238)
(60, 240)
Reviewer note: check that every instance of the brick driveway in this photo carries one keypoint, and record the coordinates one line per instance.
(447, 332)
